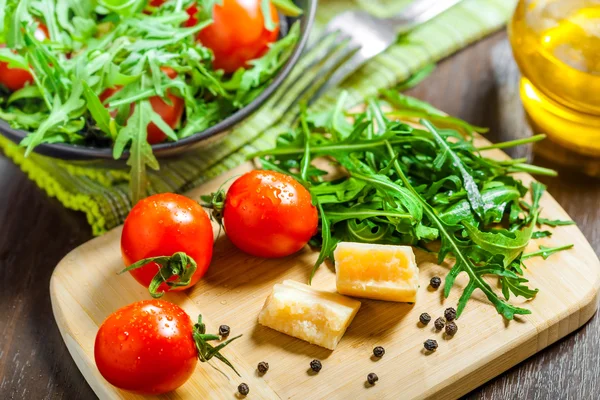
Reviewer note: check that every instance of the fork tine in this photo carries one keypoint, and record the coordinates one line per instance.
(323, 47)
(351, 65)
(325, 73)
(418, 11)
(416, 8)
(422, 10)
(431, 12)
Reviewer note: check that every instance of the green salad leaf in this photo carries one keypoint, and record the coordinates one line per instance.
(104, 59)
(394, 183)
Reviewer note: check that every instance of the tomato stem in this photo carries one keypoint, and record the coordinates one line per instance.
(205, 350)
(215, 202)
(179, 266)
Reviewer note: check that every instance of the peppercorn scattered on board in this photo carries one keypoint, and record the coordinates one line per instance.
(310, 314)
(85, 289)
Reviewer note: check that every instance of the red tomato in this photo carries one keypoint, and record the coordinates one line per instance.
(161, 225)
(170, 113)
(269, 214)
(15, 78)
(238, 33)
(146, 347)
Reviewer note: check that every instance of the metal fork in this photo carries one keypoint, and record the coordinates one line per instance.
(352, 38)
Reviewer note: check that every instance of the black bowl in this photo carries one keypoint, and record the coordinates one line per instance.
(214, 133)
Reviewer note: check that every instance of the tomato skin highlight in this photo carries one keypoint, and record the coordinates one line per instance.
(269, 214)
(146, 347)
(170, 113)
(161, 225)
(15, 78)
(238, 33)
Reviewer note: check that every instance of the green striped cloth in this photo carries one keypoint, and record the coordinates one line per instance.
(103, 193)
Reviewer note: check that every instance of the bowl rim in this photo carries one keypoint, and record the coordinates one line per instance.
(78, 152)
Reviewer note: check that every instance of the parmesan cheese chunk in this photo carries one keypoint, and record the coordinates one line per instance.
(313, 315)
(376, 271)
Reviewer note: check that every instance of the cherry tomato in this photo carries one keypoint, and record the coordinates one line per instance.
(162, 225)
(146, 347)
(170, 113)
(16, 78)
(238, 33)
(269, 214)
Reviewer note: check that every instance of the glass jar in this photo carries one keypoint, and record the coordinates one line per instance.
(556, 44)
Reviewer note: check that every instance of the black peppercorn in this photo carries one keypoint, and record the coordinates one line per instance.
(263, 367)
(378, 351)
(243, 389)
(450, 314)
(435, 282)
(316, 365)
(430, 345)
(424, 318)
(451, 328)
(224, 330)
(372, 378)
(439, 323)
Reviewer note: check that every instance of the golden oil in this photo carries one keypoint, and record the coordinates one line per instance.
(556, 44)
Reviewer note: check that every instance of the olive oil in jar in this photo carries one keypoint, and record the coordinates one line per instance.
(557, 46)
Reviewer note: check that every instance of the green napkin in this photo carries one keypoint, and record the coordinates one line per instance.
(103, 193)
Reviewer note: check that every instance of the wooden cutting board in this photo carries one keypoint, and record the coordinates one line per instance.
(85, 289)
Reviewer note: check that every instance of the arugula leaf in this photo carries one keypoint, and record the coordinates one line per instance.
(554, 222)
(123, 7)
(500, 244)
(58, 115)
(100, 114)
(3, 6)
(541, 234)
(287, 7)
(477, 202)
(327, 246)
(517, 287)
(546, 252)
(265, 67)
(416, 78)
(140, 150)
(403, 185)
(123, 48)
(265, 8)
(410, 107)
(14, 60)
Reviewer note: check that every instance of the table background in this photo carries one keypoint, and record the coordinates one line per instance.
(478, 84)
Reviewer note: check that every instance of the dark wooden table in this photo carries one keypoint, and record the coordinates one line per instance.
(478, 84)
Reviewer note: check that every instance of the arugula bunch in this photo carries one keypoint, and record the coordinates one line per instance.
(402, 184)
(97, 45)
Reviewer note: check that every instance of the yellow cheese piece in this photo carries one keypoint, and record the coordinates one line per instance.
(376, 271)
(317, 316)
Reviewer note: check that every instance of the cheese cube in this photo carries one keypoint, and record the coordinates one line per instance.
(376, 271)
(317, 316)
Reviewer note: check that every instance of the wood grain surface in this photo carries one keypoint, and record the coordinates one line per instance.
(477, 84)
